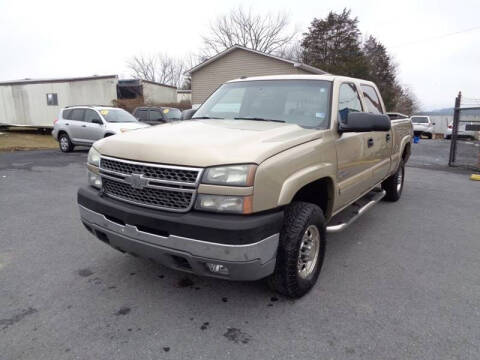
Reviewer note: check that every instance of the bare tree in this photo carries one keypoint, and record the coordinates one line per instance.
(267, 33)
(159, 68)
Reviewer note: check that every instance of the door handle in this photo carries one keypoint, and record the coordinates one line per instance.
(67, 123)
(84, 125)
(370, 142)
(387, 137)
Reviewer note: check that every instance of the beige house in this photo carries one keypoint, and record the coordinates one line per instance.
(238, 61)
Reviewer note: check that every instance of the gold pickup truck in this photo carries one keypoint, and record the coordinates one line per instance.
(249, 187)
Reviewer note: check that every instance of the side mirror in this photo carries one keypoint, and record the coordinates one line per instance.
(188, 114)
(433, 123)
(365, 122)
(97, 121)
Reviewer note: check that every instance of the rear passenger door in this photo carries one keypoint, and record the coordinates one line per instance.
(380, 142)
(75, 124)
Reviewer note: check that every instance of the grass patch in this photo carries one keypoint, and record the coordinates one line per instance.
(25, 139)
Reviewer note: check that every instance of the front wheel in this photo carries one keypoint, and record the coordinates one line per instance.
(301, 250)
(394, 184)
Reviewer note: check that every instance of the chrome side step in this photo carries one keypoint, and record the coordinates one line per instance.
(346, 217)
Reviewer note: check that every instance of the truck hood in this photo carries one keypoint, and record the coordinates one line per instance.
(205, 143)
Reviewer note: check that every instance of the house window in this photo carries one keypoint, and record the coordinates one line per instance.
(52, 99)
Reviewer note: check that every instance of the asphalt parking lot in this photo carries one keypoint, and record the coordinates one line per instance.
(401, 283)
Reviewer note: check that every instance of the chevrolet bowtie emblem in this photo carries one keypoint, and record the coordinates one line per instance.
(137, 181)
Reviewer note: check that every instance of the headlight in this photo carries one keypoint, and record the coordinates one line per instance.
(93, 157)
(234, 175)
(225, 204)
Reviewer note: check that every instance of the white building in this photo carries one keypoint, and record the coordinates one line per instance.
(37, 103)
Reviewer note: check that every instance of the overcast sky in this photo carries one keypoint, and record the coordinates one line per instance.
(41, 39)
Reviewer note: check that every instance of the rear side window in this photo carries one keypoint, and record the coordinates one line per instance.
(348, 100)
(77, 114)
(67, 114)
(141, 115)
(371, 98)
(156, 115)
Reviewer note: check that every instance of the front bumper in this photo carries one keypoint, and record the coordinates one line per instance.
(245, 245)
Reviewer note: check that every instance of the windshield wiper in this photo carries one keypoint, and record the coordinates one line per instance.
(207, 117)
(258, 119)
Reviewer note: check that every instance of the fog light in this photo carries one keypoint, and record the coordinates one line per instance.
(94, 180)
(217, 269)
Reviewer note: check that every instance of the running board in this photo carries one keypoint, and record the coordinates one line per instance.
(347, 216)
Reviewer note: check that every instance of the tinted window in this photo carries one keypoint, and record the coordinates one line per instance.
(77, 114)
(372, 100)
(348, 101)
(67, 114)
(141, 114)
(90, 115)
(156, 115)
(302, 102)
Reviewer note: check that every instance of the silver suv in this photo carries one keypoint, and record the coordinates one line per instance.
(83, 125)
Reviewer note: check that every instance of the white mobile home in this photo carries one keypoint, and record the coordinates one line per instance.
(36, 103)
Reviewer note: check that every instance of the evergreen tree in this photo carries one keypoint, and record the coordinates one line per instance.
(333, 44)
(381, 70)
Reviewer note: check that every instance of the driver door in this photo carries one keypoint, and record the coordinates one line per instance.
(353, 168)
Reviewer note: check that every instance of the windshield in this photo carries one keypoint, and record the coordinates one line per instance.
(302, 102)
(420, 120)
(117, 116)
(172, 113)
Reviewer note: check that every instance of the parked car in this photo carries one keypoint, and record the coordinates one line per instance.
(250, 189)
(461, 132)
(157, 115)
(83, 125)
(422, 126)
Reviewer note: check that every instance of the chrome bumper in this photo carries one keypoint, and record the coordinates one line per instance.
(244, 262)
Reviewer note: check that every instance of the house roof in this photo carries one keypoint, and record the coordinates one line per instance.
(296, 64)
(55, 80)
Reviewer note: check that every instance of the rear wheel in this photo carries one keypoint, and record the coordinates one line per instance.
(394, 184)
(301, 250)
(65, 143)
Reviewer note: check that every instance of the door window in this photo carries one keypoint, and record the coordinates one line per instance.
(156, 115)
(141, 115)
(90, 115)
(348, 101)
(371, 98)
(77, 114)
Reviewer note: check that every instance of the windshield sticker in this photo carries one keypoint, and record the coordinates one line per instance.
(104, 112)
(165, 111)
(320, 115)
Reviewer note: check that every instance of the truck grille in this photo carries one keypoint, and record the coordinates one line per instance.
(152, 172)
(153, 197)
(165, 187)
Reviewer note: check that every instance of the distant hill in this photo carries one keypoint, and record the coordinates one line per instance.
(449, 111)
(446, 111)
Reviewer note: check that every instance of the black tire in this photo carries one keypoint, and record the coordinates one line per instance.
(430, 136)
(394, 184)
(287, 278)
(65, 143)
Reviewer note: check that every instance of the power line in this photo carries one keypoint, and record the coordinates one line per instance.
(437, 37)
